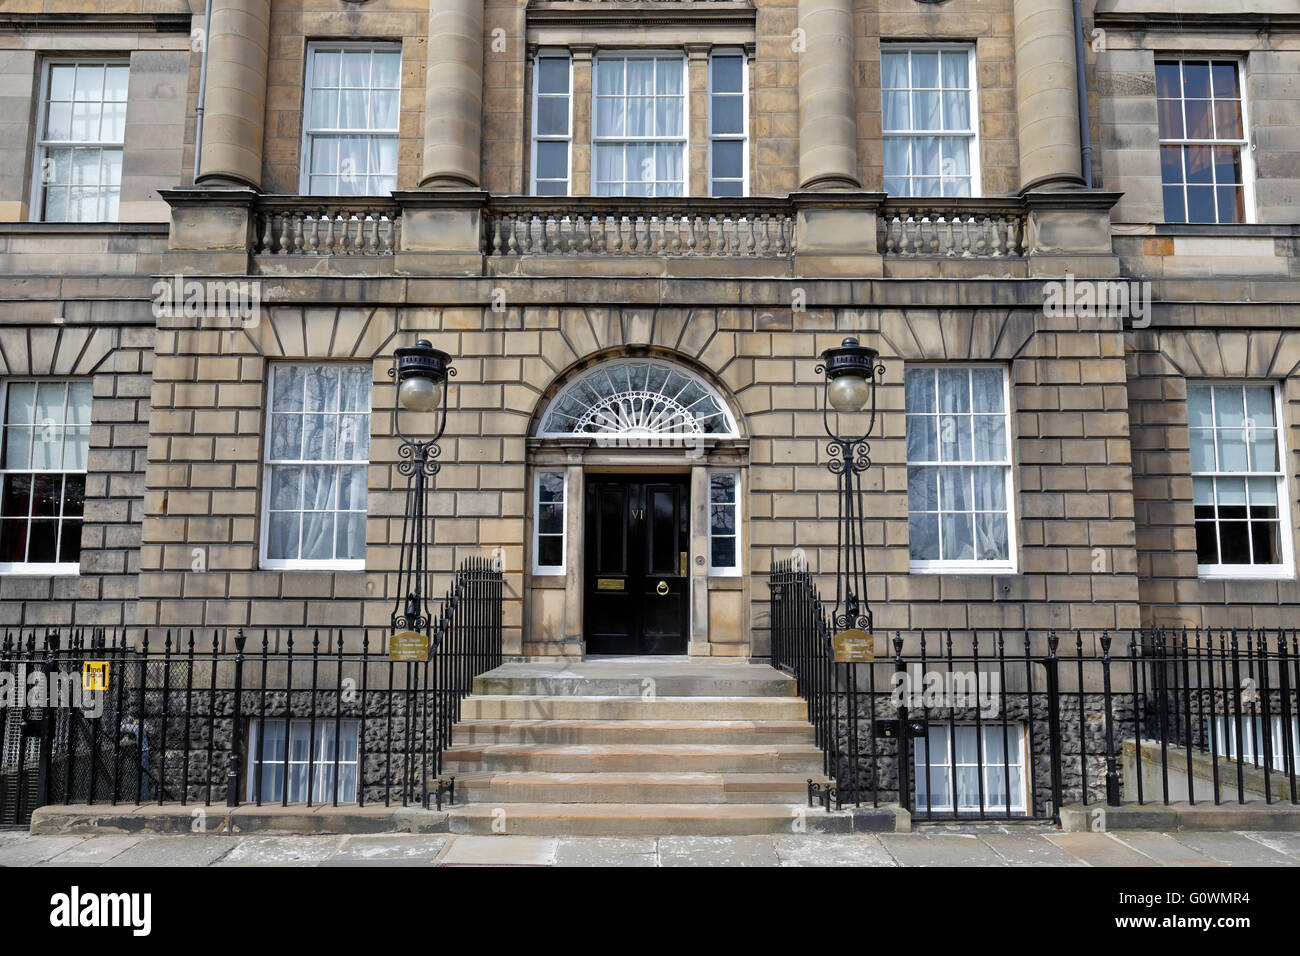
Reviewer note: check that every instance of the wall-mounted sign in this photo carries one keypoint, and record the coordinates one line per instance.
(854, 646)
(408, 646)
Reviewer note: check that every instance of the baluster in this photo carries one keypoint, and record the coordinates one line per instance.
(285, 242)
(965, 235)
(372, 233)
(677, 235)
(266, 232)
(313, 237)
(512, 241)
(496, 235)
(997, 236)
(936, 218)
(528, 234)
(1015, 234)
(700, 235)
(751, 243)
(589, 237)
(660, 227)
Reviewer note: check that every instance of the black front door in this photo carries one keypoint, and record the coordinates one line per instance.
(637, 541)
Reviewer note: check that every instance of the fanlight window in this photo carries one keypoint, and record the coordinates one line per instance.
(638, 397)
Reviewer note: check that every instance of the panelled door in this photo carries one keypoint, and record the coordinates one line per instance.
(637, 535)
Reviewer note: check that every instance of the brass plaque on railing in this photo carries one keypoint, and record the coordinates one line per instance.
(408, 646)
(854, 646)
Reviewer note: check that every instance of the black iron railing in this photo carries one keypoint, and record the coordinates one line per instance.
(990, 724)
(277, 716)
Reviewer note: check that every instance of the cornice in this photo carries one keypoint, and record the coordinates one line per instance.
(96, 22)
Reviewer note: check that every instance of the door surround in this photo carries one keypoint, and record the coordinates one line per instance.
(554, 611)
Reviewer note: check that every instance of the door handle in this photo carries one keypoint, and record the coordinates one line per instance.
(661, 588)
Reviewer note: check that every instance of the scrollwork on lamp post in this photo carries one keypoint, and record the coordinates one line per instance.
(421, 373)
(852, 373)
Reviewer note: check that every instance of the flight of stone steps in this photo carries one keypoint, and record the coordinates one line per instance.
(621, 746)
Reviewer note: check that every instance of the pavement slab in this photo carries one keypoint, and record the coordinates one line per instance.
(93, 851)
(1100, 849)
(387, 850)
(1234, 849)
(29, 851)
(501, 851)
(939, 849)
(281, 851)
(859, 850)
(190, 850)
(1288, 843)
(607, 851)
(717, 851)
(1163, 848)
(1028, 849)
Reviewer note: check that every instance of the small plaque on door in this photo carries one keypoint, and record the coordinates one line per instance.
(609, 584)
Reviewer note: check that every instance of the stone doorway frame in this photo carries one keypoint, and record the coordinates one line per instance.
(553, 605)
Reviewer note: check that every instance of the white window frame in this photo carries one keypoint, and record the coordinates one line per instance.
(1286, 568)
(1016, 745)
(551, 137)
(43, 568)
(348, 727)
(684, 139)
(978, 566)
(972, 72)
(737, 570)
(1247, 160)
(743, 136)
(36, 205)
(304, 150)
(550, 570)
(1252, 733)
(301, 564)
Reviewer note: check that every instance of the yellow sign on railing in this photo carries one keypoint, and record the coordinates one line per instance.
(94, 675)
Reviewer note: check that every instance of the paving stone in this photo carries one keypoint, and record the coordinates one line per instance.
(1288, 843)
(939, 849)
(501, 851)
(717, 851)
(280, 850)
(1163, 848)
(28, 850)
(93, 851)
(607, 851)
(1234, 849)
(192, 850)
(387, 850)
(860, 850)
(1100, 849)
(1028, 849)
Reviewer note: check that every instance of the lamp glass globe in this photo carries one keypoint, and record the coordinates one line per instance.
(848, 393)
(419, 394)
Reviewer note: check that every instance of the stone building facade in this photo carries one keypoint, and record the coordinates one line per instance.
(784, 208)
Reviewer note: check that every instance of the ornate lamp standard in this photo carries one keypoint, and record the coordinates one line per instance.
(421, 373)
(852, 373)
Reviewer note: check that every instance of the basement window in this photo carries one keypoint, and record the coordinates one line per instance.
(974, 765)
(1258, 739)
(293, 754)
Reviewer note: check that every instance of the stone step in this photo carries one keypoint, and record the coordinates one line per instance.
(635, 758)
(632, 731)
(639, 819)
(640, 678)
(521, 706)
(511, 788)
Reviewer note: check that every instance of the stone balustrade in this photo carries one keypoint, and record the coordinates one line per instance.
(598, 226)
(287, 226)
(952, 228)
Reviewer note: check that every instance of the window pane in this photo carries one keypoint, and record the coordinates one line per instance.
(896, 111)
(552, 116)
(727, 114)
(723, 552)
(922, 489)
(923, 537)
(727, 75)
(728, 159)
(552, 74)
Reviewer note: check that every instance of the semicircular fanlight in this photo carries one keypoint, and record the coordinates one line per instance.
(638, 397)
